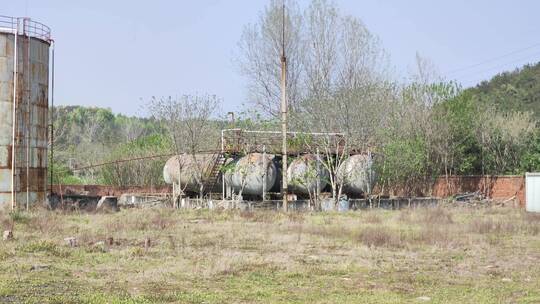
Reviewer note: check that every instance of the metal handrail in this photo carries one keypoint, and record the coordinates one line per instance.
(26, 27)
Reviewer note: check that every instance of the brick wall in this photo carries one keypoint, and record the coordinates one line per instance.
(97, 190)
(495, 187)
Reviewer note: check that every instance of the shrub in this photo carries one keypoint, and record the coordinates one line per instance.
(46, 247)
(381, 237)
(19, 217)
(437, 215)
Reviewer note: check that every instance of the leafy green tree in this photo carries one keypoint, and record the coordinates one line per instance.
(405, 163)
(142, 172)
(530, 162)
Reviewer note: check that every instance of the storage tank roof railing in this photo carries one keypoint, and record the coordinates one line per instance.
(27, 27)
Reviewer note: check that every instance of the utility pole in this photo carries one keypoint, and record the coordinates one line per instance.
(285, 191)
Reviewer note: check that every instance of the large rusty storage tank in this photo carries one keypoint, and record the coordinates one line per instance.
(252, 174)
(357, 174)
(306, 175)
(187, 170)
(24, 91)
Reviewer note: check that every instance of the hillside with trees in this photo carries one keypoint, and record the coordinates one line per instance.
(518, 90)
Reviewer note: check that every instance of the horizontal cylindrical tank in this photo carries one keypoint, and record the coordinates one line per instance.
(252, 174)
(357, 174)
(187, 170)
(306, 175)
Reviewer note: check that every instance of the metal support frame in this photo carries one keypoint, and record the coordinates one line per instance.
(284, 106)
(51, 165)
(279, 132)
(223, 173)
(317, 186)
(264, 175)
(14, 115)
(28, 117)
(264, 151)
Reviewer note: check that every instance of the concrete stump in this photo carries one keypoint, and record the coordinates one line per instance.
(8, 235)
(71, 241)
(108, 204)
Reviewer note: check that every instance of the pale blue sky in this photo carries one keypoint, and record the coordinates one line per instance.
(115, 53)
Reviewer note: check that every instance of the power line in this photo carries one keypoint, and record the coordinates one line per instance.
(493, 59)
(521, 59)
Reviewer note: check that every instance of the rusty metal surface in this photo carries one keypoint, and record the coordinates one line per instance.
(252, 174)
(31, 127)
(242, 141)
(306, 174)
(27, 27)
(357, 174)
(188, 169)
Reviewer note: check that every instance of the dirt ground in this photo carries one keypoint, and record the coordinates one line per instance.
(425, 255)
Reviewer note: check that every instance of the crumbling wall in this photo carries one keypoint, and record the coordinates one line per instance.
(98, 190)
(494, 187)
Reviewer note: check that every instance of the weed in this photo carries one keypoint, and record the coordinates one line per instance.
(435, 235)
(196, 256)
(295, 217)
(437, 216)
(161, 220)
(372, 218)
(381, 237)
(532, 218)
(137, 252)
(19, 217)
(45, 223)
(497, 226)
(259, 216)
(46, 247)
(5, 254)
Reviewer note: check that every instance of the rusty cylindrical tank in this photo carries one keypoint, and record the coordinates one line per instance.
(186, 170)
(252, 174)
(357, 174)
(24, 51)
(306, 174)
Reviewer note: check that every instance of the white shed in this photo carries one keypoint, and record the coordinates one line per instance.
(532, 192)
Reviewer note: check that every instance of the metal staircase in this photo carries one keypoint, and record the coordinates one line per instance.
(213, 172)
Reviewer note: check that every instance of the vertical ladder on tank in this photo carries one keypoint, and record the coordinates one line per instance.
(213, 173)
(28, 115)
(22, 119)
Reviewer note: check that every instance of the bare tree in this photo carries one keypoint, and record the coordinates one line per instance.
(188, 122)
(326, 52)
(259, 56)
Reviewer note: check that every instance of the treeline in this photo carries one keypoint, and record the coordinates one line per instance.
(420, 128)
(338, 75)
(456, 136)
(87, 136)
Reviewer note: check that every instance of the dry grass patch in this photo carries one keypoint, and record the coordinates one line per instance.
(372, 218)
(381, 237)
(435, 216)
(452, 255)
